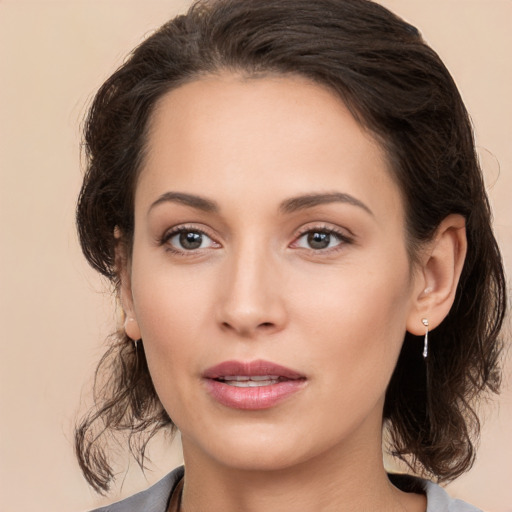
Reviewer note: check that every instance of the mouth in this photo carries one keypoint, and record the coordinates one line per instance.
(243, 381)
(252, 385)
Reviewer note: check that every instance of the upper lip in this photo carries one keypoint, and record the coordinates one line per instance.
(250, 369)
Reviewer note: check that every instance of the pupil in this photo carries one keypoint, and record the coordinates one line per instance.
(318, 240)
(191, 240)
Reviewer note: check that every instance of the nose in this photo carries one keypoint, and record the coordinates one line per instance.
(251, 299)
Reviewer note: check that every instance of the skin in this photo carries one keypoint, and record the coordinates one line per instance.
(257, 289)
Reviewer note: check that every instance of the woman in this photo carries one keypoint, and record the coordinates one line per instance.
(286, 196)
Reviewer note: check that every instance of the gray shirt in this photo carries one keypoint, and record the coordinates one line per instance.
(156, 498)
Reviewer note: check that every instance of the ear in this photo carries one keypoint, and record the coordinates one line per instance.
(438, 275)
(123, 267)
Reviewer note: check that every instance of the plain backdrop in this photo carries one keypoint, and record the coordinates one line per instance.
(55, 313)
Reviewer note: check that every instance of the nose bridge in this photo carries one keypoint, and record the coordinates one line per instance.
(251, 299)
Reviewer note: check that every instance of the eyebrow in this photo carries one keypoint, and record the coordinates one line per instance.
(197, 202)
(311, 200)
(291, 205)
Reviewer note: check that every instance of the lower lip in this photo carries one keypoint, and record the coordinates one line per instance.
(253, 398)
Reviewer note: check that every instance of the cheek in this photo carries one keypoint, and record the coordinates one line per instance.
(173, 309)
(358, 319)
(168, 298)
(169, 323)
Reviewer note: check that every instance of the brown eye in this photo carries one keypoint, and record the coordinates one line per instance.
(319, 239)
(190, 240)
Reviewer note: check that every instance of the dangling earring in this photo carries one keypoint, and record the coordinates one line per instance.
(424, 321)
(132, 331)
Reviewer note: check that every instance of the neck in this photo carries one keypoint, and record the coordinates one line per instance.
(353, 480)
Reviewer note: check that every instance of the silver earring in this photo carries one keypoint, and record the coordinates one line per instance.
(424, 321)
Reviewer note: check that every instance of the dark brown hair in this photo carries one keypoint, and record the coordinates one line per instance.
(399, 90)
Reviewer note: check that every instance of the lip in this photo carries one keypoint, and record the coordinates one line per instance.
(288, 383)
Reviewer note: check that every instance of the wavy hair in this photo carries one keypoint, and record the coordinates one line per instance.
(397, 88)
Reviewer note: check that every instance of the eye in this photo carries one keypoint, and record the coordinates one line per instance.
(320, 239)
(184, 239)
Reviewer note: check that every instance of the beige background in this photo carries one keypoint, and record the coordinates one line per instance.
(54, 312)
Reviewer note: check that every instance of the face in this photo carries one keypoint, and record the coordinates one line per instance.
(269, 277)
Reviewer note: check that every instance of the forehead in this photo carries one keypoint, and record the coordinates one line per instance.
(234, 132)
(285, 104)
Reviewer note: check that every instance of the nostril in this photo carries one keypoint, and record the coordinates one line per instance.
(262, 325)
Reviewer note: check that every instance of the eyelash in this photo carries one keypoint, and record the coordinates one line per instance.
(338, 234)
(341, 236)
(168, 235)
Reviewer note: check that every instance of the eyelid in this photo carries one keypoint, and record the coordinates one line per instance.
(326, 227)
(343, 234)
(340, 233)
(180, 228)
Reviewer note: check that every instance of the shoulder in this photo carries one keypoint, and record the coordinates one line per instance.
(438, 500)
(154, 499)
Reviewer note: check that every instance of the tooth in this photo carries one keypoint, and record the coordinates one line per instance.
(252, 383)
(245, 378)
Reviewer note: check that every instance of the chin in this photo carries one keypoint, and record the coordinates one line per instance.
(261, 448)
(246, 449)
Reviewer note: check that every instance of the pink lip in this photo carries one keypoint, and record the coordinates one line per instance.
(252, 398)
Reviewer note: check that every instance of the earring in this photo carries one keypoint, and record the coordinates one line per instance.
(424, 321)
